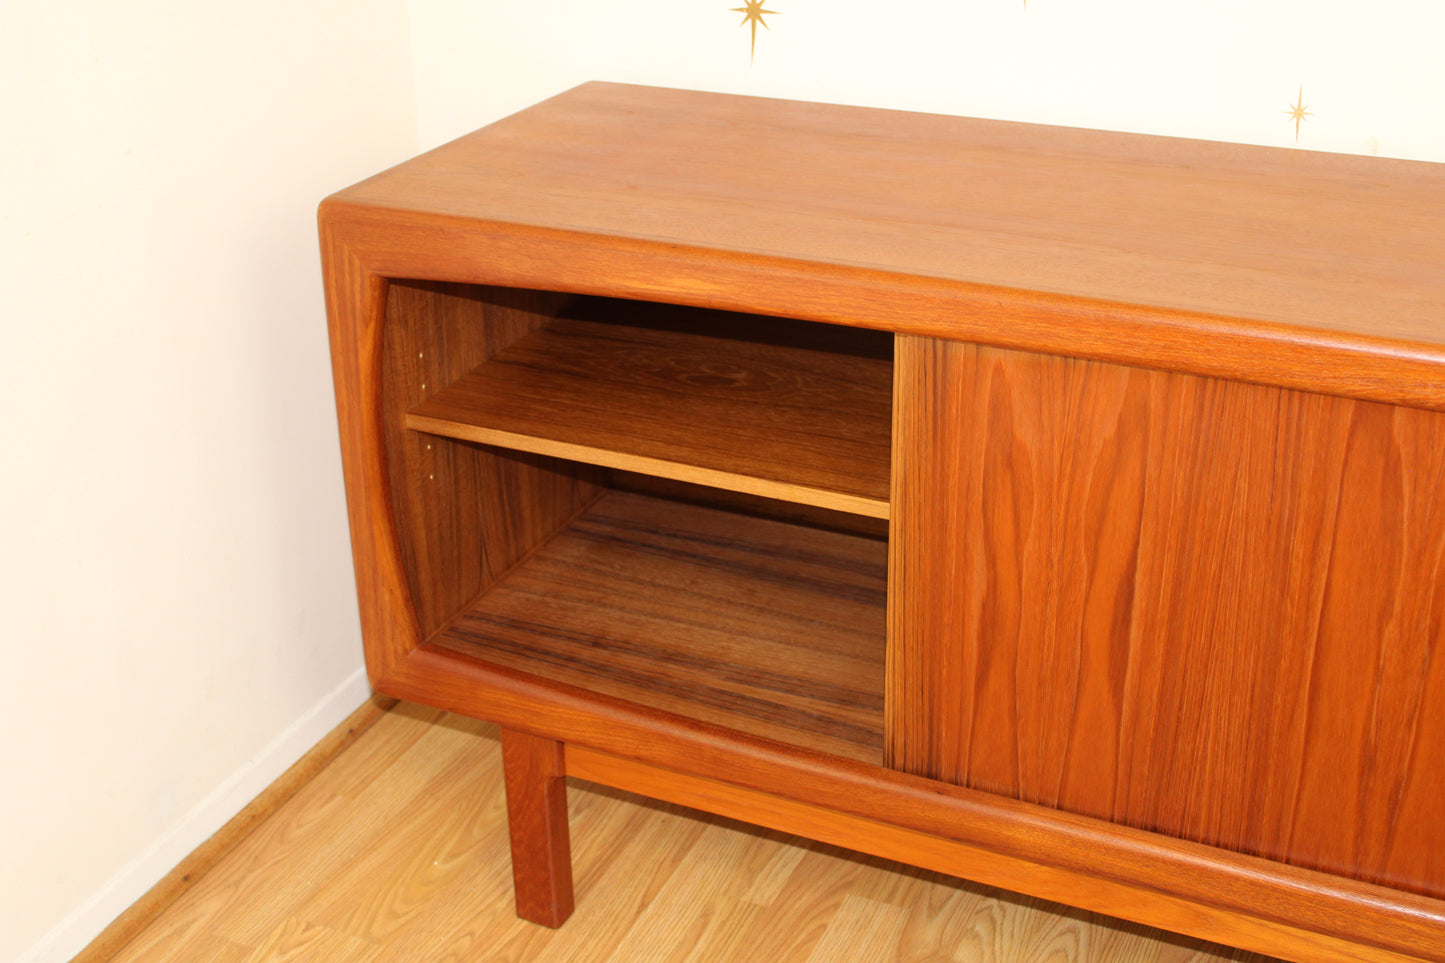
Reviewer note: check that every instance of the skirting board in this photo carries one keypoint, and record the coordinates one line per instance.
(134, 882)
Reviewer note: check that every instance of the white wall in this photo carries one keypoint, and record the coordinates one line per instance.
(1372, 73)
(177, 615)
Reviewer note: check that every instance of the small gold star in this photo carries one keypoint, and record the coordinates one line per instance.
(1299, 112)
(753, 13)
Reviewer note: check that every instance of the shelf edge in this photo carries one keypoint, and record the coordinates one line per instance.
(678, 471)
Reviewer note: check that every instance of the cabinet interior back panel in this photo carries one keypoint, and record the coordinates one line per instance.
(771, 406)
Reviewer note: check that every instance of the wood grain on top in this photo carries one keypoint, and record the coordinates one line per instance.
(777, 415)
(1173, 253)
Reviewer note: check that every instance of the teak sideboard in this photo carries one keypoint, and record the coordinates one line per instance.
(1059, 509)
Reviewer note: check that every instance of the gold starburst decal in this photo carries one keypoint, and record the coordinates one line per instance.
(753, 14)
(1299, 112)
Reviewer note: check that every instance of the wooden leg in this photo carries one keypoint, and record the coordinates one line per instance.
(537, 818)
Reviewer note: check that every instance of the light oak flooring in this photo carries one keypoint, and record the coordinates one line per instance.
(397, 851)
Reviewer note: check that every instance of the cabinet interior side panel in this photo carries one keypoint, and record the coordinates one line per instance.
(465, 513)
(1204, 608)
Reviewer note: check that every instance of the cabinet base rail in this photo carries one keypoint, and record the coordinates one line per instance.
(552, 730)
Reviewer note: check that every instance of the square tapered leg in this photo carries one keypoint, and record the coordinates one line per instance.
(537, 818)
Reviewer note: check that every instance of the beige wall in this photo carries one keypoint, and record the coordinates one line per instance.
(177, 607)
(1372, 73)
(179, 622)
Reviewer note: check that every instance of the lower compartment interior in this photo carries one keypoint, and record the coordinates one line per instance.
(768, 626)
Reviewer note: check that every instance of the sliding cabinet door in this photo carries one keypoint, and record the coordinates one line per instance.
(1209, 609)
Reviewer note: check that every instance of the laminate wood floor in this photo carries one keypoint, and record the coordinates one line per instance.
(397, 851)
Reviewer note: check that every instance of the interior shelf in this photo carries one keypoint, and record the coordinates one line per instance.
(761, 626)
(785, 409)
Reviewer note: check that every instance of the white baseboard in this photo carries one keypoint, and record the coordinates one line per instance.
(76, 931)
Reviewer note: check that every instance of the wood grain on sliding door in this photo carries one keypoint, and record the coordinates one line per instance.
(1206, 608)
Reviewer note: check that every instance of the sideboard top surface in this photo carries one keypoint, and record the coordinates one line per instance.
(1293, 247)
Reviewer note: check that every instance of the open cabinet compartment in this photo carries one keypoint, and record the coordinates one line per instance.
(758, 606)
